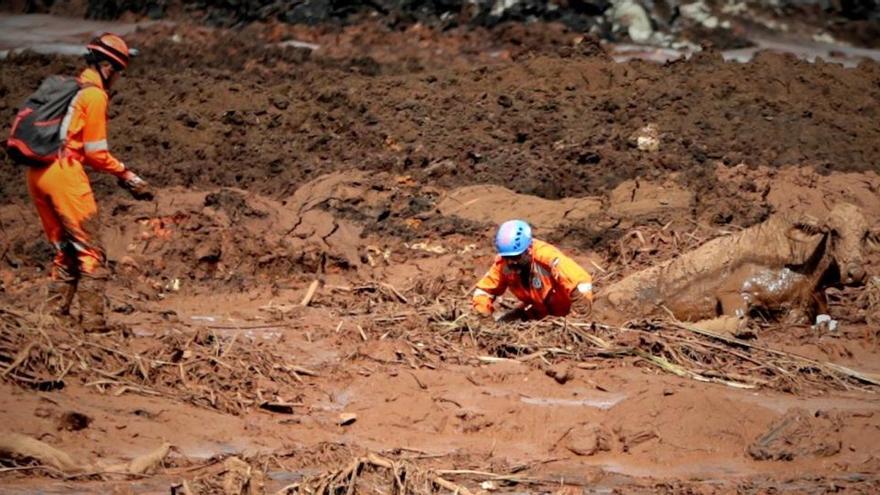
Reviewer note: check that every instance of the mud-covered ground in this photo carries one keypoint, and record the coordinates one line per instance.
(365, 179)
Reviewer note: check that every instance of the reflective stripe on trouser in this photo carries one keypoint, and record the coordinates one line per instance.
(67, 209)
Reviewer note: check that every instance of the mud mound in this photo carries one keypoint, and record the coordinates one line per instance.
(230, 234)
(496, 204)
(382, 205)
(223, 235)
(586, 222)
(310, 204)
(646, 201)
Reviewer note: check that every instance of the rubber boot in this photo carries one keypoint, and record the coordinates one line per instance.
(92, 302)
(60, 296)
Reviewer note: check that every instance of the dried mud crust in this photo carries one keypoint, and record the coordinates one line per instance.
(239, 114)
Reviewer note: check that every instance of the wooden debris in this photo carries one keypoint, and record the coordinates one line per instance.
(19, 446)
(310, 293)
(240, 478)
(403, 477)
(278, 407)
(198, 367)
(347, 419)
(150, 461)
(19, 358)
(671, 346)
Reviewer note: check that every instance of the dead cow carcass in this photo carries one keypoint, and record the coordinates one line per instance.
(782, 265)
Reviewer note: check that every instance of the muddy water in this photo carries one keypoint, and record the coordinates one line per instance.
(51, 34)
(784, 403)
(810, 51)
(598, 402)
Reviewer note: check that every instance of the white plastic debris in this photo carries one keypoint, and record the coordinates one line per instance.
(489, 486)
(634, 17)
(824, 38)
(699, 12)
(825, 322)
(647, 138)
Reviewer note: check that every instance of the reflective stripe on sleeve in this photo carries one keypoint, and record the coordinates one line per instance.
(481, 292)
(585, 287)
(92, 146)
(65, 124)
(79, 247)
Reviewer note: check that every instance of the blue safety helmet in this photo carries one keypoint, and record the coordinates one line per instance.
(513, 238)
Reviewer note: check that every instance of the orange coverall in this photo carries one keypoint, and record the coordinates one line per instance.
(62, 192)
(553, 279)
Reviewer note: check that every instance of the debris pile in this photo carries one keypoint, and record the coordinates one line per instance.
(683, 350)
(227, 374)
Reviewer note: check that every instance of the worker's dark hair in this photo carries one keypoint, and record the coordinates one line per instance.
(95, 58)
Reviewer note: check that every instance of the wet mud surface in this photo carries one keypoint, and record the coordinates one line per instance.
(321, 217)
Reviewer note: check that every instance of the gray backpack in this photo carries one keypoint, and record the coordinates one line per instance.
(35, 139)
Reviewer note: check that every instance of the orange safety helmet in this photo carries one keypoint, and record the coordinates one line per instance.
(111, 47)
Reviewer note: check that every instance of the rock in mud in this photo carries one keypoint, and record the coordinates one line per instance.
(646, 139)
(632, 439)
(209, 251)
(588, 440)
(562, 373)
(73, 421)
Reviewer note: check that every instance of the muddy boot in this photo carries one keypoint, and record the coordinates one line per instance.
(92, 303)
(60, 296)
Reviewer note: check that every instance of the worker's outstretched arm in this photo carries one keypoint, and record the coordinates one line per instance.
(488, 288)
(575, 280)
(97, 150)
(95, 147)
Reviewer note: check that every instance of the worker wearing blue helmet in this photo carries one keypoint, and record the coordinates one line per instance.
(545, 281)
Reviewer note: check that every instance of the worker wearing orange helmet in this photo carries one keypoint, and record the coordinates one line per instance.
(63, 195)
(545, 281)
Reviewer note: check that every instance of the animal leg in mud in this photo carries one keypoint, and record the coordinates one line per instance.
(819, 303)
(799, 315)
(732, 303)
(815, 303)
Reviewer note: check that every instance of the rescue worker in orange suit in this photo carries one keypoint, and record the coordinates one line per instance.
(545, 281)
(62, 192)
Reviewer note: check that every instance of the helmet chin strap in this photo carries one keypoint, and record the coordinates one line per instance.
(105, 79)
(105, 71)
